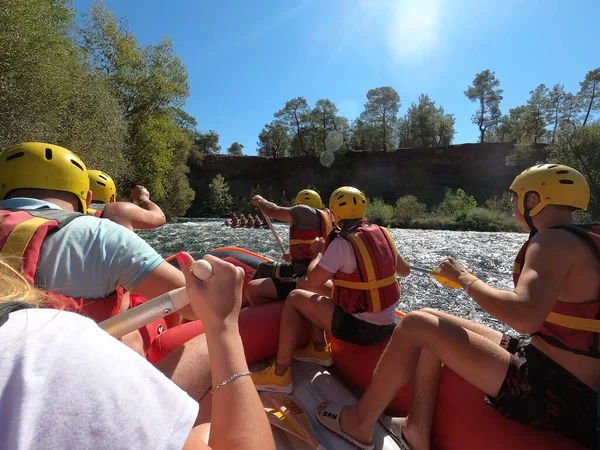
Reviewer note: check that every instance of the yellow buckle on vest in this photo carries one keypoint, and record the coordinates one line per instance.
(18, 241)
(300, 241)
(92, 211)
(575, 323)
(516, 268)
(366, 285)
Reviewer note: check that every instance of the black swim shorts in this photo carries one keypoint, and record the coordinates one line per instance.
(284, 286)
(346, 327)
(272, 269)
(540, 393)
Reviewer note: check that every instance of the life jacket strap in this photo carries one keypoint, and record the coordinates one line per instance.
(575, 323)
(366, 285)
(18, 240)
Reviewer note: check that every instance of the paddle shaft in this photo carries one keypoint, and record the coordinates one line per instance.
(140, 316)
(420, 269)
(268, 220)
(157, 308)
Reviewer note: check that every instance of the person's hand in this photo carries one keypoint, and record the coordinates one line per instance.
(453, 270)
(257, 200)
(287, 258)
(216, 301)
(139, 194)
(317, 246)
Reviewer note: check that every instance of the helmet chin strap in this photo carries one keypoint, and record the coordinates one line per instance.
(528, 219)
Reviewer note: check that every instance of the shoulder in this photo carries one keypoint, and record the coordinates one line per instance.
(554, 246)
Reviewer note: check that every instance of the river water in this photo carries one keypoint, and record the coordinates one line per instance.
(488, 255)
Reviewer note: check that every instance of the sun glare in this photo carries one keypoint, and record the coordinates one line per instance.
(414, 29)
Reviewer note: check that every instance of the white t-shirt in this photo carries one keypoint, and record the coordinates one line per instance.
(66, 384)
(340, 257)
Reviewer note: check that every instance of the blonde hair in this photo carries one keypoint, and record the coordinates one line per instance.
(15, 288)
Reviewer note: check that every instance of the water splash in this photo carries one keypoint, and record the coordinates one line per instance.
(489, 255)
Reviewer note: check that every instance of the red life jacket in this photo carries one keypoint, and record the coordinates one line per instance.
(22, 233)
(97, 210)
(373, 286)
(300, 240)
(571, 326)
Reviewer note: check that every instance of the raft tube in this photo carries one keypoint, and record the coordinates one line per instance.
(462, 419)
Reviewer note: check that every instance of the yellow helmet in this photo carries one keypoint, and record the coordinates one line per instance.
(102, 186)
(310, 198)
(36, 165)
(556, 185)
(348, 203)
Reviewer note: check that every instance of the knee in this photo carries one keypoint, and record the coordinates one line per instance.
(251, 288)
(294, 297)
(431, 311)
(413, 322)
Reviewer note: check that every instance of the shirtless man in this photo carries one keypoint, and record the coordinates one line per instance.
(550, 376)
(142, 214)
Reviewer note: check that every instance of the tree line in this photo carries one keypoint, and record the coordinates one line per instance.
(89, 86)
(298, 129)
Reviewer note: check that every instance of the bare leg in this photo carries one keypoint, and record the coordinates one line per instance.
(300, 305)
(417, 427)
(322, 290)
(259, 292)
(477, 359)
(189, 367)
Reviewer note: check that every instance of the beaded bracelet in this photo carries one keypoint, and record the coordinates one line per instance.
(229, 380)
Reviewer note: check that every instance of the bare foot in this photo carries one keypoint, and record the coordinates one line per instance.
(351, 424)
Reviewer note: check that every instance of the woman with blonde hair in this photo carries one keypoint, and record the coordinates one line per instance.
(65, 383)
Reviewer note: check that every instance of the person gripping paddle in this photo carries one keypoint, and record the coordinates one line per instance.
(308, 220)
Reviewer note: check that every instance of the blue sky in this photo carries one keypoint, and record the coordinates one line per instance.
(246, 58)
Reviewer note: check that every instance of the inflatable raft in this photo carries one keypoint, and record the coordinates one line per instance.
(462, 421)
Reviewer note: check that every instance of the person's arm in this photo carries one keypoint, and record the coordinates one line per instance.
(271, 209)
(146, 216)
(402, 267)
(163, 279)
(217, 303)
(316, 275)
(525, 308)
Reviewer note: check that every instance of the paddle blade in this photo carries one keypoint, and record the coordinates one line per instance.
(284, 404)
(278, 419)
(445, 281)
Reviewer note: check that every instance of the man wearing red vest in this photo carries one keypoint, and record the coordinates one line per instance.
(549, 376)
(47, 236)
(308, 220)
(142, 214)
(363, 262)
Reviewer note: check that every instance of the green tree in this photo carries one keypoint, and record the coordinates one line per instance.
(208, 143)
(456, 202)
(426, 125)
(273, 141)
(218, 201)
(512, 126)
(365, 136)
(408, 208)
(555, 108)
(235, 149)
(588, 94)
(381, 111)
(323, 120)
(578, 148)
(150, 84)
(294, 115)
(486, 92)
(47, 92)
(536, 112)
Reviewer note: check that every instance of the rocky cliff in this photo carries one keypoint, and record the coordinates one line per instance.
(479, 169)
